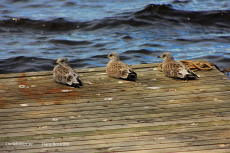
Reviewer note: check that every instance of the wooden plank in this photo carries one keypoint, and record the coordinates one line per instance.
(139, 145)
(155, 113)
(97, 94)
(114, 112)
(162, 111)
(186, 137)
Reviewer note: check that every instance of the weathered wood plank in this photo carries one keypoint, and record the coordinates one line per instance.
(141, 144)
(97, 95)
(112, 111)
(173, 137)
(43, 128)
(159, 111)
(155, 113)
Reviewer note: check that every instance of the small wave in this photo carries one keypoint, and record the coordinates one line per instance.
(70, 42)
(25, 64)
(59, 24)
(166, 12)
(151, 15)
(142, 51)
(32, 64)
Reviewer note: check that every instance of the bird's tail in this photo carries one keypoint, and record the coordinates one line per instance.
(77, 83)
(132, 76)
(80, 82)
(191, 75)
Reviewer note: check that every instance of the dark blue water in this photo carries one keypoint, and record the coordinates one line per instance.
(35, 33)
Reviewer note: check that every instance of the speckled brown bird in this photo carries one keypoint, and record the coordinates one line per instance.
(63, 73)
(117, 69)
(174, 69)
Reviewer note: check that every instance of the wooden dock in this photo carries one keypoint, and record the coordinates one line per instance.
(155, 114)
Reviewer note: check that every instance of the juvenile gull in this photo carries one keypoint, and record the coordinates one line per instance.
(117, 69)
(63, 73)
(174, 69)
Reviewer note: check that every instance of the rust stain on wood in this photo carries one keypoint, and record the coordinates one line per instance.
(38, 93)
(3, 99)
(68, 93)
(27, 91)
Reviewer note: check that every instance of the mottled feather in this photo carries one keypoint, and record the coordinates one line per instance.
(63, 73)
(117, 69)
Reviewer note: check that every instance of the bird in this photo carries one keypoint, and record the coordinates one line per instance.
(174, 69)
(64, 74)
(117, 69)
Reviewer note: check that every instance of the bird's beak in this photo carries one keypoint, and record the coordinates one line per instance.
(55, 63)
(158, 56)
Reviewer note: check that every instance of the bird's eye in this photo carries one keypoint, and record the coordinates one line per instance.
(62, 61)
(110, 55)
(163, 55)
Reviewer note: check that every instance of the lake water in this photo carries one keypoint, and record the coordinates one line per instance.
(36, 33)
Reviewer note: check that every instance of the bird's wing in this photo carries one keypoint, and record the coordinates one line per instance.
(173, 69)
(60, 74)
(76, 76)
